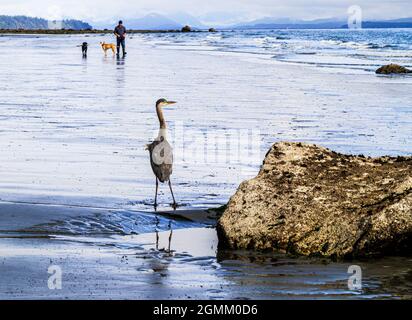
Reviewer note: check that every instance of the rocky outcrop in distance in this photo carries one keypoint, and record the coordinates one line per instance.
(186, 29)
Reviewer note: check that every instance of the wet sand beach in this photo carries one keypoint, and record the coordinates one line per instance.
(113, 265)
(77, 189)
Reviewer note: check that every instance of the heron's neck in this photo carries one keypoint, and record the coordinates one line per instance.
(161, 117)
(162, 134)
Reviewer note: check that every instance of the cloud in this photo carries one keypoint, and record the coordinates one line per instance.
(226, 10)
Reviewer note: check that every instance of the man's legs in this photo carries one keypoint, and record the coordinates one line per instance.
(119, 41)
(123, 42)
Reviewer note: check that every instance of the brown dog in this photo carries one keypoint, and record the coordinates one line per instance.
(108, 46)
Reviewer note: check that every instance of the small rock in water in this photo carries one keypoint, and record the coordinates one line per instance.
(309, 200)
(392, 68)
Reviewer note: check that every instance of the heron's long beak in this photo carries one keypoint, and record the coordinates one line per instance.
(171, 102)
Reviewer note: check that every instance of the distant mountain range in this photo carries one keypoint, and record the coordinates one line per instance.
(152, 21)
(407, 23)
(271, 23)
(23, 22)
(155, 21)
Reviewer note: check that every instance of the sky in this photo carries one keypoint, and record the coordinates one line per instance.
(214, 11)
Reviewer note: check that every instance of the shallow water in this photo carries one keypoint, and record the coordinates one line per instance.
(134, 267)
(73, 132)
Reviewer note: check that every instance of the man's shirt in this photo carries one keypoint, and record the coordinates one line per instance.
(120, 30)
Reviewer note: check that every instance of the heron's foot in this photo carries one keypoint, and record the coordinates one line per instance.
(175, 205)
(155, 206)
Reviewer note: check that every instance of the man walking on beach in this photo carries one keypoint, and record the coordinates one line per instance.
(120, 33)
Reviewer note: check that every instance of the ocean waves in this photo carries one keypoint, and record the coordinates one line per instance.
(347, 49)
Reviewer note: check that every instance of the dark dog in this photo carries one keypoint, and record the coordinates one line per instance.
(84, 49)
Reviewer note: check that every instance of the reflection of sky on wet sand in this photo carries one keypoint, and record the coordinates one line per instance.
(74, 130)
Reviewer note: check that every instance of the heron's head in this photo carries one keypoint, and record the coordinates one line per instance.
(164, 102)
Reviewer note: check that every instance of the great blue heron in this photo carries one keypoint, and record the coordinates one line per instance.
(161, 153)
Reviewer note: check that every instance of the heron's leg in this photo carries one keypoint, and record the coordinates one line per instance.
(157, 233)
(170, 236)
(171, 190)
(157, 188)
